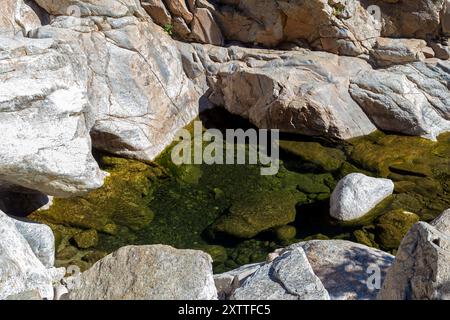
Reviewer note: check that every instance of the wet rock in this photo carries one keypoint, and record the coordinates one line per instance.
(86, 239)
(356, 194)
(148, 273)
(257, 213)
(391, 227)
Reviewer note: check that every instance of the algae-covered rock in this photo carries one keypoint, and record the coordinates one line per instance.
(218, 253)
(327, 159)
(86, 239)
(256, 213)
(123, 200)
(365, 237)
(285, 233)
(393, 226)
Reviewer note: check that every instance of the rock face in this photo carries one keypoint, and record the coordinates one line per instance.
(19, 17)
(137, 84)
(398, 51)
(356, 194)
(148, 272)
(421, 270)
(43, 86)
(20, 269)
(410, 99)
(343, 27)
(192, 22)
(294, 91)
(288, 277)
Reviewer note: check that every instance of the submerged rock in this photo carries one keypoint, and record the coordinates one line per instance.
(257, 213)
(148, 273)
(391, 227)
(356, 194)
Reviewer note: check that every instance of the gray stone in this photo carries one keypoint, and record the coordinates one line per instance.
(43, 85)
(227, 282)
(356, 194)
(136, 82)
(40, 238)
(20, 269)
(410, 99)
(288, 277)
(345, 268)
(421, 270)
(148, 272)
(442, 222)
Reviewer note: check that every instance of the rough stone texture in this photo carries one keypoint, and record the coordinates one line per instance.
(442, 222)
(26, 295)
(18, 17)
(108, 8)
(45, 117)
(388, 51)
(409, 19)
(20, 269)
(227, 282)
(40, 238)
(343, 267)
(343, 27)
(410, 99)
(148, 272)
(421, 270)
(136, 82)
(302, 91)
(157, 11)
(204, 28)
(356, 194)
(288, 277)
(441, 51)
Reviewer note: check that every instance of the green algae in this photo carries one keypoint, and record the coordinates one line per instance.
(183, 205)
(122, 200)
(393, 226)
(257, 213)
(86, 239)
(323, 158)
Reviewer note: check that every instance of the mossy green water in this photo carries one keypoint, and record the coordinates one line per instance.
(217, 208)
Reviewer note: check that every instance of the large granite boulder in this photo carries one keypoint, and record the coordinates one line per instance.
(136, 80)
(288, 277)
(20, 269)
(46, 117)
(155, 272)
(421, 270)
(410, 99)
(356, 194)
(317, 269)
